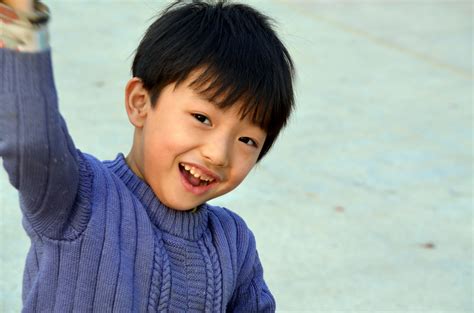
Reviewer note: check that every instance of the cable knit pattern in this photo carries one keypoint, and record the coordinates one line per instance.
(100, 239)
(166, 281)
(209, 275)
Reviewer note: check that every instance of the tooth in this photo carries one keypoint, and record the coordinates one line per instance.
(197, 173)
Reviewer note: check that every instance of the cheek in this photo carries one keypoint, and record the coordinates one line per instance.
(241, 171)
(162, 147)
(154, 151)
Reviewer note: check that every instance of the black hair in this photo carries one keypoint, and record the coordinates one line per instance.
(239, 54)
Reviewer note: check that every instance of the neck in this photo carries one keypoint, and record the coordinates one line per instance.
(188, 225)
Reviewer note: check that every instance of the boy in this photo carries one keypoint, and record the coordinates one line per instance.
(211, 90)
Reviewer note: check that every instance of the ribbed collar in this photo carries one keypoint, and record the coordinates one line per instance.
(186, 225)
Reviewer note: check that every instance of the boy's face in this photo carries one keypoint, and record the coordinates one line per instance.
(189, 150)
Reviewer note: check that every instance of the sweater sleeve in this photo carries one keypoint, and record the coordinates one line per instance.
(37, 152)
(252, 293)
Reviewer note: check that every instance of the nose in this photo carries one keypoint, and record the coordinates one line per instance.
(217, 151)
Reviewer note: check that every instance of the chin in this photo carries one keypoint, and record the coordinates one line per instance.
(179, 205)
(181, 208)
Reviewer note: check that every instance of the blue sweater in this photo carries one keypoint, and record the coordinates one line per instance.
(100, 239)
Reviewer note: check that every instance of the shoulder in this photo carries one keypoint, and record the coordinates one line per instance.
(230, 221)
(89, 158)
(93, 164)
(226, 223)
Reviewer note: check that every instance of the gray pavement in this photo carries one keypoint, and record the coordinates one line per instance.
(365, 203)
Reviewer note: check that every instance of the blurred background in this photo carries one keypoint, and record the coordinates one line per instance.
(365, 203)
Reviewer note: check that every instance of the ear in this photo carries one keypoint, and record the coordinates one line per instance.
(137, 102)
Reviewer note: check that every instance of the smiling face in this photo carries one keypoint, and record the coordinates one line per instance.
(186, 148)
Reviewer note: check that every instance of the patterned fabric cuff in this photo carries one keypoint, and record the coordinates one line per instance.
(24, 32)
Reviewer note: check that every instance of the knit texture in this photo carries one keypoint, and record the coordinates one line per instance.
(100, 239)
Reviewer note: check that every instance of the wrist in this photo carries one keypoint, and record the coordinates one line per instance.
(20, 5)
(24, 31)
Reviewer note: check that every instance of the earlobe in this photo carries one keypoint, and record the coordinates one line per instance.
(137, 101)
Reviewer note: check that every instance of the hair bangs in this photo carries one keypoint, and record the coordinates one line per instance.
(224, 89)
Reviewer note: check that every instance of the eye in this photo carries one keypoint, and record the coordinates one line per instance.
(249, 141)
(202, 118)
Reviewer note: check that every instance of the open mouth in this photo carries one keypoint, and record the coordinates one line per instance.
(195, 176)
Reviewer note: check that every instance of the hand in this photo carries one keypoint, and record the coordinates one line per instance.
(26, 6)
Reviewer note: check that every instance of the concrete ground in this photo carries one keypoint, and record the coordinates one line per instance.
(365, 204)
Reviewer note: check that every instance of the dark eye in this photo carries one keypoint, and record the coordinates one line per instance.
(249, 141)
(202, 118)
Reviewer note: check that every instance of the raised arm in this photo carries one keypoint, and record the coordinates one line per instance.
(37, 152)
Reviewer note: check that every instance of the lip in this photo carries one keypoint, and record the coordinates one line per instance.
(198, 190)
